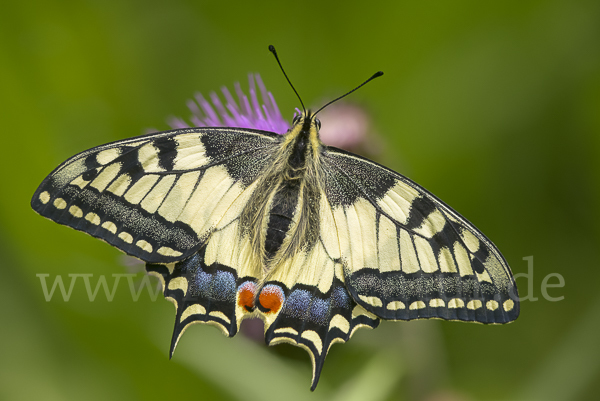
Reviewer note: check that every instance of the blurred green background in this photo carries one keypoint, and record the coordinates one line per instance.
(493, 106)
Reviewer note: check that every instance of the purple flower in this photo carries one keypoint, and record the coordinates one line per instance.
(244, 113)
(348, 126)
(345, 125)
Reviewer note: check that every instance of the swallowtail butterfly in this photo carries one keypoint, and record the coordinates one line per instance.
(314, 240)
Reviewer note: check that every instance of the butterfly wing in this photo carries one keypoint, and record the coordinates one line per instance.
(406, 254)
(316, 311)
(159, 196)
(304, 302)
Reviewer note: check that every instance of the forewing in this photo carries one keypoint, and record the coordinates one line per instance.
(406, 254)
(159, 196)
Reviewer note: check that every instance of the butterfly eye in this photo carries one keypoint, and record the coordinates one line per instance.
(318, 123)
(296, 120)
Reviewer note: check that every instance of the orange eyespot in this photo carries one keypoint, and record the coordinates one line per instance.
(246, 293)
(271, 298)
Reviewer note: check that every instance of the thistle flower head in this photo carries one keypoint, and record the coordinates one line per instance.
(345, 125)
(245, 112)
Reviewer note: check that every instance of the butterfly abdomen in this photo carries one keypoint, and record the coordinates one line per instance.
(281, 216)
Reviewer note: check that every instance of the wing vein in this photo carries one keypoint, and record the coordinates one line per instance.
(373, 202)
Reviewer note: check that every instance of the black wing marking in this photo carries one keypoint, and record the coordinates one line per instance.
(316, 309)
(304, 301)
(315, 321)
(306, 305)
(406, 254)
(201, 293)
(158, 196)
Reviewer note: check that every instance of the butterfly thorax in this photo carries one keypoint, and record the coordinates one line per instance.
(281, 218)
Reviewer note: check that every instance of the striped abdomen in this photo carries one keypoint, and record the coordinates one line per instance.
(281, 216)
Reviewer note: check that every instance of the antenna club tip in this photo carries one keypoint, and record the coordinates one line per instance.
(378, 74)
(272, 48)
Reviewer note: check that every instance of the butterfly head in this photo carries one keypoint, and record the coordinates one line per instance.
(306, 121)
(306, 126)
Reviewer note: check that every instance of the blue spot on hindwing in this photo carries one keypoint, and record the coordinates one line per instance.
(223, 288)
(303, 305)
(218, 286)
(319, 311)
(203, 281)
(297, 304)
(190, 264)
(340, 298)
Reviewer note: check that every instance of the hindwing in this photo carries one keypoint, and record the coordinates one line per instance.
(305, 301)
(406, 254)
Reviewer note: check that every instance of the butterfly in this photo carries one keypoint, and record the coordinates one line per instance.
(314, 240)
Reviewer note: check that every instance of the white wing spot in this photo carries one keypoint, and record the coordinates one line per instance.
(417, 305)
(474, 304)
(166, 251)
(387, 246)
(313, 337)
(178, 283)
(120, 185)
(44, 197)
(93, 218)
(76, 211)
(106, 176)
(340, 322)
(433, 224)
(508, 305)
(80, 182)
(195, 309)
(484, 276)
(426, 256)
(108, 155)
(408, 255)
(220, 315)
(148, 158)
(395, 305)
(286, 330)
(363, 233)
(144, 245)
(210, 200)
(498, 271)
(446, 261)
(60, 203)
(437, 303)
(177, 198)
(462, 259)
(360, 311)
(373, 301)
(155, 197)
(491, 305)
(110, 226)
(141, 188)
(126, 237)
(398, 200)
(190, 152)
(456, 303)
(470, 240)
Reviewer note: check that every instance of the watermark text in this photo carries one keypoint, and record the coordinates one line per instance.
(109, 292)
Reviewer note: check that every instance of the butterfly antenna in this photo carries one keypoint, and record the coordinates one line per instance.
(272, 50)
(376, 75)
